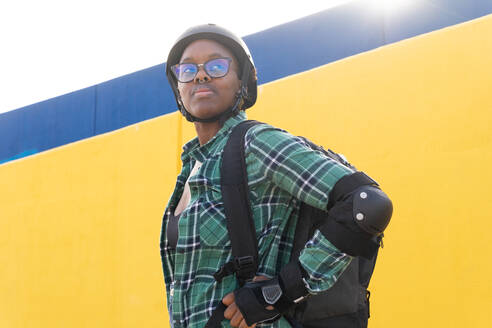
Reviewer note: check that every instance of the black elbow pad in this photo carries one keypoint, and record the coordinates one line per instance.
(372, 209)
(359, 215)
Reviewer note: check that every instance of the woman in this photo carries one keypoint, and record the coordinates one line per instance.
(214, 80)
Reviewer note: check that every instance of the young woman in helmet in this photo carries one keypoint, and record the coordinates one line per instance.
(213, 78)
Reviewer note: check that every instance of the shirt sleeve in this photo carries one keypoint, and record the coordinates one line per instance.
(308, 175)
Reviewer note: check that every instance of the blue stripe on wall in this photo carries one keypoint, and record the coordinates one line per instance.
(429, 15)
(47, 124)
(278, 52)
(133, 98)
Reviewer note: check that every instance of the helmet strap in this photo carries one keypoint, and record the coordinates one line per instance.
(244, 79)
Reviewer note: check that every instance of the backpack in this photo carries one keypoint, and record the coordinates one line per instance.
(346, 303)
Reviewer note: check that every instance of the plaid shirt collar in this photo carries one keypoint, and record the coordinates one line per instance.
(201, 153)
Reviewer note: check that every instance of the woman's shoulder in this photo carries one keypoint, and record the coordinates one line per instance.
(266, 135)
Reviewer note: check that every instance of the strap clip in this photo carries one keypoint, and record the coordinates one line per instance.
(244, 267)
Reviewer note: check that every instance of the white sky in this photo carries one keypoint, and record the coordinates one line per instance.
(52, 47)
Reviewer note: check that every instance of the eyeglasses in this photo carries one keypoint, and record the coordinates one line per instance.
(217, 67)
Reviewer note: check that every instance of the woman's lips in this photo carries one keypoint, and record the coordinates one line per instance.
(202, 91)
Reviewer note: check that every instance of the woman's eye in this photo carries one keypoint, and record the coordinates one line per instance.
(217, 67)
(188, 69)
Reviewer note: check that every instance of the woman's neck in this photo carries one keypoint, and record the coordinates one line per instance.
(206, 131)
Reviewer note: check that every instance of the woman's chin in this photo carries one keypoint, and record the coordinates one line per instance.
(204, 113)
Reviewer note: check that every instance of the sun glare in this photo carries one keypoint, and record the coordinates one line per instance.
(392, 5)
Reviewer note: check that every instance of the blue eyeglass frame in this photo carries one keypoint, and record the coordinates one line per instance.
(175, 68)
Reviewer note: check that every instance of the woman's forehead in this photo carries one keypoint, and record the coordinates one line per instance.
(204, 49)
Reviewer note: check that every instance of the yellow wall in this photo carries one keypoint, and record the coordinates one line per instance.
(80, 228)
(80, 224)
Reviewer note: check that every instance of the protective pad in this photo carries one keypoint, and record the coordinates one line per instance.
(372, 209)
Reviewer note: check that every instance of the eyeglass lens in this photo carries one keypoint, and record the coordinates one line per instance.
(186, 72)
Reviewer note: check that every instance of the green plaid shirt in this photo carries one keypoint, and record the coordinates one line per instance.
(282, 170)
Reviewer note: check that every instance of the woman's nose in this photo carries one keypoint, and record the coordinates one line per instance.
(201, 75)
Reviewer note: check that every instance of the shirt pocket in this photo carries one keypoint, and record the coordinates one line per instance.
(213, 226)
(212, 220)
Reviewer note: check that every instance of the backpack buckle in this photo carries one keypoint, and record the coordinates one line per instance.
(245, 263)
(244, 267)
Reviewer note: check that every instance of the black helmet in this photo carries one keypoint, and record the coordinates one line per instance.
(247, 69)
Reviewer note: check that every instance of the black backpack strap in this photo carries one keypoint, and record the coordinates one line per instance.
(217, 317)
(235, 195)
(240, 225)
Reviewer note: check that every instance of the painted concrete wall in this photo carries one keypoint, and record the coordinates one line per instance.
(80, 224)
